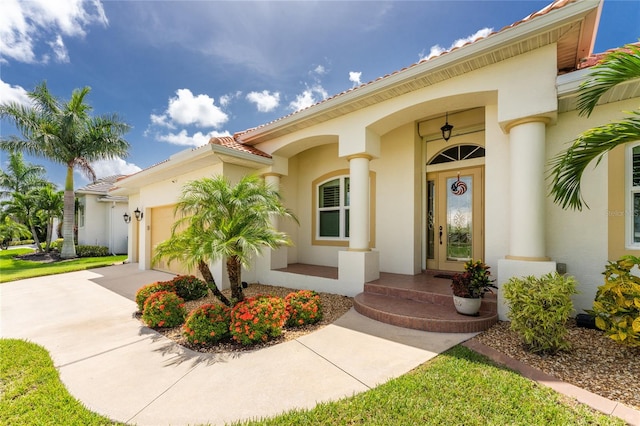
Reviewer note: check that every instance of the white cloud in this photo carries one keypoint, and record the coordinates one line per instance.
(59, 49)
(310, 96)
(225, 100)
(184, 139)
(437, 49)
(162, 120)
(354, 77)
(9, 93)
(26, 26)
(265, 101)
(116, 166)
(186, 109)
(320, 70)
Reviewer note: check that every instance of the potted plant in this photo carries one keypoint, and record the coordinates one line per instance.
(470, 286)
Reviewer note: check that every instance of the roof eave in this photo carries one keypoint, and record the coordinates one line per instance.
(575, 11)
(185, 161)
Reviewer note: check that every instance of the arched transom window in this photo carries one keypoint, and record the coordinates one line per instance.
(457, 153)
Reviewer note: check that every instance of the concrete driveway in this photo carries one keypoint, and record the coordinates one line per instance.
(128, 372)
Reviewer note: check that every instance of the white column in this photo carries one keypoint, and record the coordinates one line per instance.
(359, 203)
(527, 229)
(527, 252)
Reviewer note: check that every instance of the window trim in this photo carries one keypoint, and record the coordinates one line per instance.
(316, 240)
(630, 190)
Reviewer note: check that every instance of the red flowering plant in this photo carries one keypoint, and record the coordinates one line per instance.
(207, 324)
(474, 282)
(257, 319)
(303, 308)
(163, 309)
(144, 292)
(189, 287)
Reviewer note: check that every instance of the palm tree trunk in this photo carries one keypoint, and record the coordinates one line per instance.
(211, 282)
(68, 243)
(35, 237)
(47, 246)
(233, 270)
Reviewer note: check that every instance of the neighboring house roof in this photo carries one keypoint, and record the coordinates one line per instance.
(101, 187)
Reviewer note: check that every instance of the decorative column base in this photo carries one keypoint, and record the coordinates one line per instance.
(356, 268)
(508, 268)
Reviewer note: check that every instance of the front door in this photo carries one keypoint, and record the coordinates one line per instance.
(454, 218)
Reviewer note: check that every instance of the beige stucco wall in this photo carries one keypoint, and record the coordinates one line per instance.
(399, 162)
(581, 238)
(398, 201)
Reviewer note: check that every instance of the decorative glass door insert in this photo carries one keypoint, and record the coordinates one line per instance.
(459, 218)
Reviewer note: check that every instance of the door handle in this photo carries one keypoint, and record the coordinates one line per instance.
(440, 234)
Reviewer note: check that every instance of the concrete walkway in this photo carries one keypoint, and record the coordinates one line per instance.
(128, 372)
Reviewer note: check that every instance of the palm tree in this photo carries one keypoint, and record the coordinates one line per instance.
(220, 221)
(65, 133)
(20, 176)
(10, 229)
(568, 166)
(51, 205)
(23, 208)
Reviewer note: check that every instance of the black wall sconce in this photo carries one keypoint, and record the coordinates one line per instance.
(446, 129)
(137, 213)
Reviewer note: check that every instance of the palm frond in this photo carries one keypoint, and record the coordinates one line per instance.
(568, 167)
(617, 67)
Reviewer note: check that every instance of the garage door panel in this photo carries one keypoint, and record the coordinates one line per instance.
(162, 219)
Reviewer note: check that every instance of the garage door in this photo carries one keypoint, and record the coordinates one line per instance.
(161, 222)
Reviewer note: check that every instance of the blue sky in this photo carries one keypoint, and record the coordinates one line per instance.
(180, 72)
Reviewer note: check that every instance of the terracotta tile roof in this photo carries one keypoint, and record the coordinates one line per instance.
(229, 142)
(596, 58)
(557, 4)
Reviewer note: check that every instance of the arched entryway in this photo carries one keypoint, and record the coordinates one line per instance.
(455, 208)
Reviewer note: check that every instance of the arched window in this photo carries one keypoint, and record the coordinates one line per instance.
(457, 153)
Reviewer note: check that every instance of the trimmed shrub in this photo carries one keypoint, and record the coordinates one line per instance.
(540, 308)
(21, 242)
(617, 304)
(207, 324)
(144, 292)
(57, 244)
(92, 251)
(257, 319)
(303, 307)
(163, 309)
(189, 287)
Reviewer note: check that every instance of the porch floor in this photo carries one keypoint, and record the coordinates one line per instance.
(422, 302)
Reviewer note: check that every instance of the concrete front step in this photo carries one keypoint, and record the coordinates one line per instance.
(422, 310)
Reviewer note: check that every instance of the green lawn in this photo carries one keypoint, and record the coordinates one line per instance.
(31, 392)
(458, 387)
(12, 269)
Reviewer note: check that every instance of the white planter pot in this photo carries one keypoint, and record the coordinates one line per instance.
(467, 306)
